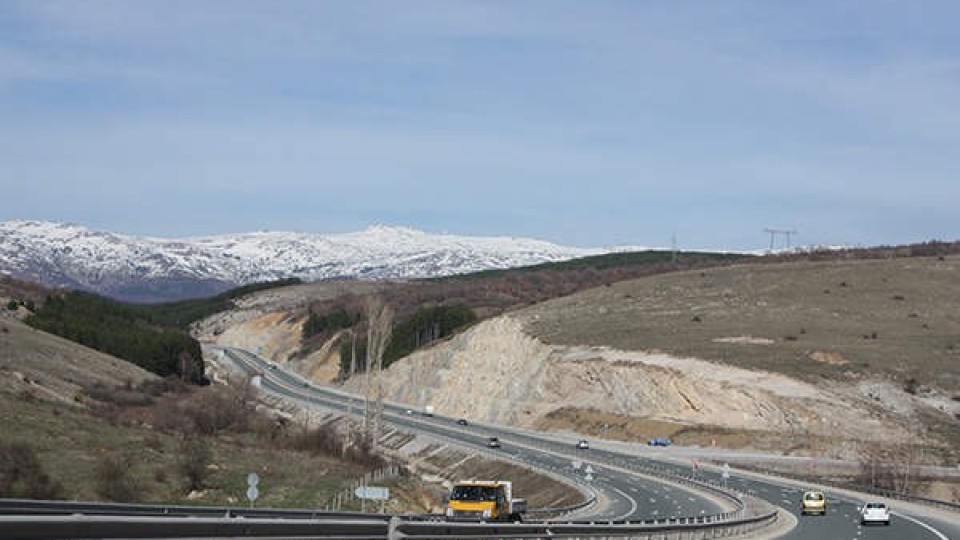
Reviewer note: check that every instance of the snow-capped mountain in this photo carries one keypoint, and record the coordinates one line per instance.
(155, 269)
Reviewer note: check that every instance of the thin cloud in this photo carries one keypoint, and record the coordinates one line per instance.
(587, 123)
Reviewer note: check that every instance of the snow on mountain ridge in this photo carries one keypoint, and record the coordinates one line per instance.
(75, 256)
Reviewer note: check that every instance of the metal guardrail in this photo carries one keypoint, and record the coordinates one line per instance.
(34, 520)
(30, 507)
(84, 526)
(890, 494)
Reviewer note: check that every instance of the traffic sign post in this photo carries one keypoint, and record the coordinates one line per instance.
(726, 473)
(252, 492)
(375, 493)
(589, 473)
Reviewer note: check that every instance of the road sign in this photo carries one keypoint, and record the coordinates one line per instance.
(253, 479)
(577, 465)
(726, 471)
(372, 492)
(589, 470)
(252, 493)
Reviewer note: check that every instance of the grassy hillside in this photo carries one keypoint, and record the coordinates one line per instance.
(102, 429)
(840, 319)
(82, 425)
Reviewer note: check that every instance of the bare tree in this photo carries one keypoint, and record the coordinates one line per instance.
(891, 466)
(379, 329)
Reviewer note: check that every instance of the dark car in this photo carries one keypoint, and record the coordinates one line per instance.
(462, 421)
(659, 441)
(493, 442)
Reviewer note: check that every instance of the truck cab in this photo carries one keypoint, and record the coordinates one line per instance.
(484, 500)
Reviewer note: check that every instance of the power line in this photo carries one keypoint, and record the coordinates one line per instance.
(785, 232)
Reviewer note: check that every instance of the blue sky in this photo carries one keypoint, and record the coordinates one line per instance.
(586, 123)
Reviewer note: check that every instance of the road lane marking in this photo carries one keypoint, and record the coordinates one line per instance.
(922, 524)
(633, 503)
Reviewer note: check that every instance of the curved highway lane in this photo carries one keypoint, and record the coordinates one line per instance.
(625, 496)
(630, 496)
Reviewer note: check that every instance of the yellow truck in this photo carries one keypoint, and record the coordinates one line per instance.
(484, 500)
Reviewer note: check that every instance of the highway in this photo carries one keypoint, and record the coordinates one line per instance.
(628, 496)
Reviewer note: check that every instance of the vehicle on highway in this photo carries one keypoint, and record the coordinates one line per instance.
(493, 442)
(428, 410)
(409, 411)
(484, 500)
(462, 422)
(583, 444)
(874, 512)
(659, 441)
(813, 502)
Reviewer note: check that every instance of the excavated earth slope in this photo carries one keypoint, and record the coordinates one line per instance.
(786, 357)
(498, 373)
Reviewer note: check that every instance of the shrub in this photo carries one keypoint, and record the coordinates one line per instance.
(123, 396)
(113, 481)
(22, 475)
(193, 461)
(320, 440)
(220, 408)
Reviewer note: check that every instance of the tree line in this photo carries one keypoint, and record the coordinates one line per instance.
(121, 330)
(427, 325)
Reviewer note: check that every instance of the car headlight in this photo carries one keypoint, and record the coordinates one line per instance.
(449, 512)
(487, 513)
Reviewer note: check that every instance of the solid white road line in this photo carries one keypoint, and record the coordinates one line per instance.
(922, 524)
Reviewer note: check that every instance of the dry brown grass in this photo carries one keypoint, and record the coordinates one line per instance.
(101, 428)
(895, 318)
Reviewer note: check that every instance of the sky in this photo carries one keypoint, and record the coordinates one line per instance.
(589, 123)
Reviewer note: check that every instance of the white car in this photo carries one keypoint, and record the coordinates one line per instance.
(875, 512)
(583, 445)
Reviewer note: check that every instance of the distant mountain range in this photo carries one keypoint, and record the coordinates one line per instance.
(154, 269)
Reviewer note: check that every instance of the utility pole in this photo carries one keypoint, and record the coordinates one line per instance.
(774, 232)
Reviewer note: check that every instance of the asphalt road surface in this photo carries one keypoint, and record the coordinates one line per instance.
(628, 496)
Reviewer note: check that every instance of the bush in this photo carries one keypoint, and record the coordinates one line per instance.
(221, 408)
(320, 440)
(123, 396)
(22, 475)
(193, 461)
(113, 481)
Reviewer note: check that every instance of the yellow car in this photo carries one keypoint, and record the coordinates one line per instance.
(814, 502)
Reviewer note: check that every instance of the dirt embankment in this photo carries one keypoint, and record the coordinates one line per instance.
(801, 357)
(270, 324)
(496, 372)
